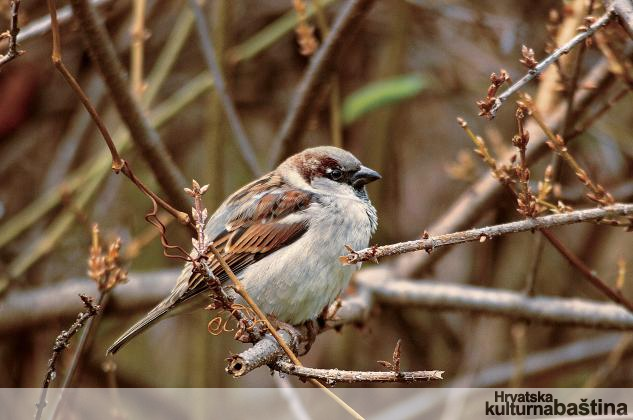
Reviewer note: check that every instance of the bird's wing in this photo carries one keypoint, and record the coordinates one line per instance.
(262, 224)
(265, 219)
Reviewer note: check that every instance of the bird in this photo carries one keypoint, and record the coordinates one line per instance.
(282, 235)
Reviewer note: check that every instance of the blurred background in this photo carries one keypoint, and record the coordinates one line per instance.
(408, 71)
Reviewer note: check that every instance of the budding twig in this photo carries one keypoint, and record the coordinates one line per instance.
(597, 192)
(553, 57)
(489, 232)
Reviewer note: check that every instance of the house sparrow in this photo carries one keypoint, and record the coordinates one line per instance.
(282, 235)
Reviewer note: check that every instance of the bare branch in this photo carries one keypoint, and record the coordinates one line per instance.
(624, 10)
(287, 140)
(12, 35)
(538, 69)
(468, 207)
(62, 342)
(208, 50)
(351, 310)
(482, 234)
(41, 26)
(137, 49)
(499, 374)
(377, 286)
(143, 134)
(118, 163)
(334, 376)
(29, 308)
(499, 302)
(265, 352)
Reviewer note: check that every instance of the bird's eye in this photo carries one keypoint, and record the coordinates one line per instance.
(335, 174)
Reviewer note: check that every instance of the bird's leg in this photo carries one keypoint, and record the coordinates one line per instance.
(305, 337)
(312, 329)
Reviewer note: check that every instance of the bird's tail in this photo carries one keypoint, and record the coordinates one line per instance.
(155, 315)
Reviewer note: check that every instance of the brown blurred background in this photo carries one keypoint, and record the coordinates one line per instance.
(447, 48)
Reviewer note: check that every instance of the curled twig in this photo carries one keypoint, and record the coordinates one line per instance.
(142, 133)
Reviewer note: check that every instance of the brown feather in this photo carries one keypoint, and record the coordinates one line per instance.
(258, 229)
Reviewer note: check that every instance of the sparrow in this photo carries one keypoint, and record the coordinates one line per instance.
(282, 235)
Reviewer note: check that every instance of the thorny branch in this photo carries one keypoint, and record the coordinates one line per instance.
(482, 234)
(62, 342)
(12, 35)
(553, 57)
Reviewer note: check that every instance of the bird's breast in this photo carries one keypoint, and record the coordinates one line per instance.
(296, 282)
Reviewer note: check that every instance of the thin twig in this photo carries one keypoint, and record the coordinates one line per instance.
(587, 272)
(118, 164)
(624, 10)
(334, 376)
(137, 49)
(77, 355)
(104, 268)
(12, 35)
(538, 69)
(42, 25)
(143, 134)
(485, 233)
(62, 342)
(287, 140)
(56, 58)
(468, 207)
(336, 125)
(597, 192)
(208, 50)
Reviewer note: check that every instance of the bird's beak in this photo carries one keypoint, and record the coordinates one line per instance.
(364, 176)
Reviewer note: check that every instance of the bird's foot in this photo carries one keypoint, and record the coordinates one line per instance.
(312, 329)
(306, 332)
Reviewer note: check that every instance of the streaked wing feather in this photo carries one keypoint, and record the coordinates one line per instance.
(259, 229)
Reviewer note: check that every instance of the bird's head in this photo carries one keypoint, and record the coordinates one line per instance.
(329, 169)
